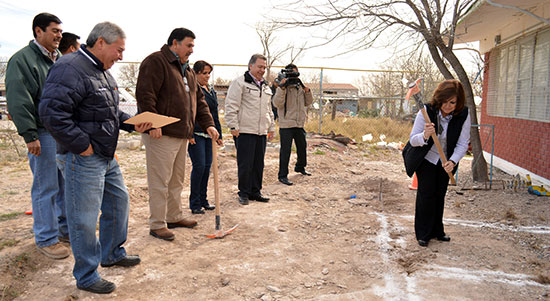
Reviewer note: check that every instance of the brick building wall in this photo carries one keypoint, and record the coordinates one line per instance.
(525, 143)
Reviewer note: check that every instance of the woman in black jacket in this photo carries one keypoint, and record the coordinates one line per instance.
(451, 122)
(200, 147)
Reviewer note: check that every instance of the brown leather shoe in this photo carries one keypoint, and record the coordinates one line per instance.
(56, 251)
(185, 223)
(163, 233)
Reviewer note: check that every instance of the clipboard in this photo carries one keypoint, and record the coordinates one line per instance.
(157, 120)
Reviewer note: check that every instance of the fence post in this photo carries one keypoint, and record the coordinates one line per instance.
(321, 102)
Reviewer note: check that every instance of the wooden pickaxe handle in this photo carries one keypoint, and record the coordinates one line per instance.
(438, 146)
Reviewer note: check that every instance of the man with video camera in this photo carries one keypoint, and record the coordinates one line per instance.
(291, 100)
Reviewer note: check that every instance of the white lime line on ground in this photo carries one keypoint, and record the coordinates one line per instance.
(479, 275)
(539, 229)
(397, 285)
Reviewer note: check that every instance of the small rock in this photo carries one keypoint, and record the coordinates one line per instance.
(345, 261)
(325, 271)
(308, 285)
(266, 298)
(342, 286)
(331, 262)
(281, 230)
(225, 281)
(273, 288)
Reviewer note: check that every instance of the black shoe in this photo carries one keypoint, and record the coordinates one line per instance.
(285, 181)
(128, 261)
(259, 198)
(444, 238)
(422, 243)
(101, 286)
(243, 200)
(209, 207)
(197, 211)
(302, 171)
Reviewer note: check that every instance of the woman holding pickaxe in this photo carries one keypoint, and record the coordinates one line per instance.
(441, 130)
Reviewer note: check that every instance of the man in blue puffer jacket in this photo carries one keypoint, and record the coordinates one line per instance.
(79, 107)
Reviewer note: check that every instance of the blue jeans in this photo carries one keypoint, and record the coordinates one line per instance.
(94, 183)
(48, 204)
(201, 157)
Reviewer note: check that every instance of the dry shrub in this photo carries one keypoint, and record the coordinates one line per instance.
(356, 128)
(542, 279)
(510, 214)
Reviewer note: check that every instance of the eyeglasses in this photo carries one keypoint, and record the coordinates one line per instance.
(186, 84)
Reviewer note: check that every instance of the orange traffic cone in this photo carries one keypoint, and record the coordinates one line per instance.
(414, 184)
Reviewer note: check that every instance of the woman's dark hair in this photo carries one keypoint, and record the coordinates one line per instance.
(179, 34)
(199, 66)
(446, 90)
(43, 20)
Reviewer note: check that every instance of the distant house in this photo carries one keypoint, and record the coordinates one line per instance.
(516, 87)
(343, 97)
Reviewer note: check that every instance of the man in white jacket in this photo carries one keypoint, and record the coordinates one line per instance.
(249, 116)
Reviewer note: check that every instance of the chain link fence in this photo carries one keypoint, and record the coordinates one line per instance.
(347, 108)
(364, 105)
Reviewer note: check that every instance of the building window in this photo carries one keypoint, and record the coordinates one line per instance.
(519, 81)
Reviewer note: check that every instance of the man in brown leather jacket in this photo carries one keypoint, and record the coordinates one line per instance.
(167, 86)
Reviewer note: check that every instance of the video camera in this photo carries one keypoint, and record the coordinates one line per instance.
(291, 78)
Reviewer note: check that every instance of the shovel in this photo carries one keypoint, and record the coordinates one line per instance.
(219, 233)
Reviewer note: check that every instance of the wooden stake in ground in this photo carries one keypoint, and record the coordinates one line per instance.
(414, 90)
(219, 233)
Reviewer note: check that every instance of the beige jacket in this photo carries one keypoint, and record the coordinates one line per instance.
(248, 107)
(291, 104)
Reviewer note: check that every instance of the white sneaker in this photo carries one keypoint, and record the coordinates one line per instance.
(56, 251)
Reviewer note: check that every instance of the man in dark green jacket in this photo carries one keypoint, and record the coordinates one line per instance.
(25, 76)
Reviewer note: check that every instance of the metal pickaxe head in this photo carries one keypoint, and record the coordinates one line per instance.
(414, 91)
(414, 88)
(221, 234)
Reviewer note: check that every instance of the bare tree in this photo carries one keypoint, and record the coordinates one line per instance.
(221, 82)
(267, 32)
(128, 75)
(3, 67)
(391, 22)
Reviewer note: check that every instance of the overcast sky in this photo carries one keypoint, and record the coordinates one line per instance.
(224, 29)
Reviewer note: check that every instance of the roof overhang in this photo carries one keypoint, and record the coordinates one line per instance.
(492, 25)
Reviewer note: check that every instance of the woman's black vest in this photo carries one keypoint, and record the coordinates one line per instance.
(413, 156)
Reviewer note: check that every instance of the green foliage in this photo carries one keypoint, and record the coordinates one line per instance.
(318, 152)
(7, 243)
(8, 216)
(367, 113)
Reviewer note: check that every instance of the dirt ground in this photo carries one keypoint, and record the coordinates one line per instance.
(344, 233)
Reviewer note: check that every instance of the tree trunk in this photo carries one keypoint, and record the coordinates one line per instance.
(479, 165)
